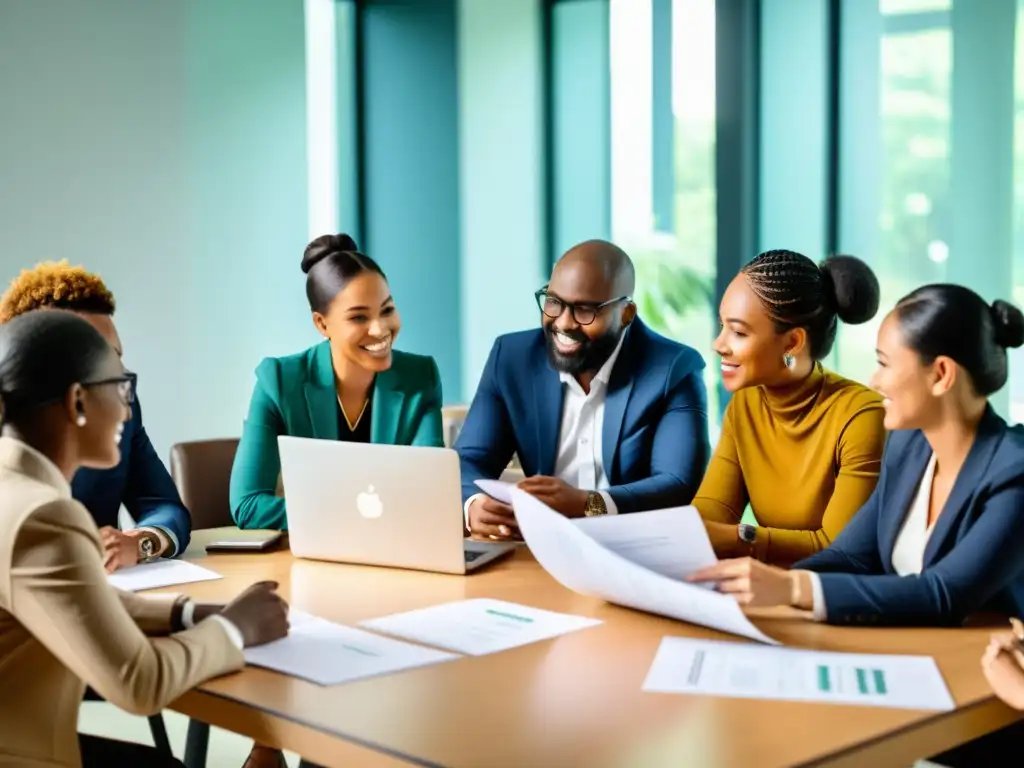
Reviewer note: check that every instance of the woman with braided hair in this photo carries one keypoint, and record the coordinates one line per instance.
(800, 444)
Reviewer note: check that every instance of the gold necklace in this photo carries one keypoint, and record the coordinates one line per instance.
(351, 426)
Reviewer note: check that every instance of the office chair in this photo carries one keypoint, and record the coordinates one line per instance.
(201, 471)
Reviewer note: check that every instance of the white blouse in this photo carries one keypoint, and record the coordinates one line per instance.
(908, 551)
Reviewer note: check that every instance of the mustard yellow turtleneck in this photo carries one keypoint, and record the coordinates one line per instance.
(805, 457)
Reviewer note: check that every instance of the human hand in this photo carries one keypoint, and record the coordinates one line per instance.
(725, 540)
(557, 494)
(750, 581)
(490, 519)
(1004, 672)
(259, 613)
(120, 550)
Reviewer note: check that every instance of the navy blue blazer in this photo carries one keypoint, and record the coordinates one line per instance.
(141, 482)
(655, 432)
(974, 560)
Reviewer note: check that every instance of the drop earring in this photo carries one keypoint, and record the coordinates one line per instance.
(789, 361)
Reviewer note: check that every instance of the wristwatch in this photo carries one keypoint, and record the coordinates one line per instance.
(149, 546)
(595, 505)
(747, 534)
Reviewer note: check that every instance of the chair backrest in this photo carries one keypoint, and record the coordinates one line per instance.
(202, 472)
(452, 417)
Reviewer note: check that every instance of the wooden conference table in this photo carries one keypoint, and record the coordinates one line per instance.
(572, 701)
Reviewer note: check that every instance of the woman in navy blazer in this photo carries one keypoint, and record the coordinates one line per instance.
(941, 535)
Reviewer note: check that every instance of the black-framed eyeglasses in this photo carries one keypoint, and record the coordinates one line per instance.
(583, 313)
(126, 384)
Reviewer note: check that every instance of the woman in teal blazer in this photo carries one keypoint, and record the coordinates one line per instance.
(352, 387)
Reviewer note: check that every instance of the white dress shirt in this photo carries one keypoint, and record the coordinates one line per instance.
(911, 542)
(580, 460)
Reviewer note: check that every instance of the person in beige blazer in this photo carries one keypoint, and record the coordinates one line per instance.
(64, 397)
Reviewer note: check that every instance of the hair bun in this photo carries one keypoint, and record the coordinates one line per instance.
(852, 288)
(323, 247)
(1009, 324)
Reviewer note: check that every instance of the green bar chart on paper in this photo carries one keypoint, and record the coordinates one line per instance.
(745, 670)
(868, 681)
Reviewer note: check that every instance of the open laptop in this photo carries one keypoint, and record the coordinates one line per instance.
(391, 505)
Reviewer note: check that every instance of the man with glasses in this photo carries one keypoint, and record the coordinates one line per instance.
(605, 415)
(141, 481)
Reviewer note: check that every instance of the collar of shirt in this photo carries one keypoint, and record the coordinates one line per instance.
(603, 375)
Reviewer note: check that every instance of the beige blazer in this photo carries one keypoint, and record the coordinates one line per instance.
(63, 626)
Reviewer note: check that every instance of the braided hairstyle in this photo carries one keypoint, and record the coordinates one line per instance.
(801, 294)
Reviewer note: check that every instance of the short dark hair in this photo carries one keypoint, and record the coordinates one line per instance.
(41, 355)
(801, 294)
(955, 322)
(330, 262)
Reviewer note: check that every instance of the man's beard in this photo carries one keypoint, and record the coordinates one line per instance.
(591, 355)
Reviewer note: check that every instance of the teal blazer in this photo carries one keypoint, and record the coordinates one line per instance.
(295, 395)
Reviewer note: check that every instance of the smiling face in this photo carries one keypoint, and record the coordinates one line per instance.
(362, 322)
(99, 409)
(909, 388)
(575, 347)
(749, 344)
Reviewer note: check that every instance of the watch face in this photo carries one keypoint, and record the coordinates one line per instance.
(147, 547)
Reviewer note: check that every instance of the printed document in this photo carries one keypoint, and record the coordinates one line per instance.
(326, 653)
(160, 573)
(497, 490)
(477, 627)
(672, 542)
(583, 564)
(741, 670)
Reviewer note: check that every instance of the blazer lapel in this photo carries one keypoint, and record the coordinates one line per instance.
(974, 468)
(907, 476)
(321, 396)
(386, 416)
(620, 387)
(548, 395)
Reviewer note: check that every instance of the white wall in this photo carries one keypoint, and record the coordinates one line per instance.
(162, 144)
(501, 165)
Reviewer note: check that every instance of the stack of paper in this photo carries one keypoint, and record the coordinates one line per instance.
(478, 627)
(326, 653)
(160, 573)
(740, 670)
(635, 560)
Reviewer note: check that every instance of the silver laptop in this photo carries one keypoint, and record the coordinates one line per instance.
(391, 505)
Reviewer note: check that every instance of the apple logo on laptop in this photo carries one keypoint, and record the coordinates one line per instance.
(369, 504)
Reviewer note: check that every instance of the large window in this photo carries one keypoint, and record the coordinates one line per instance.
(897, 198)
(926, 154)
(663, 163)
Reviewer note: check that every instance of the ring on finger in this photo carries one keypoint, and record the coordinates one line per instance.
(503, 530)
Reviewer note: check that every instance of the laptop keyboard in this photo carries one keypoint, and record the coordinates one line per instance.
(471, 554)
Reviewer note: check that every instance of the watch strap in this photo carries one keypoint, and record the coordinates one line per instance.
(595, 505)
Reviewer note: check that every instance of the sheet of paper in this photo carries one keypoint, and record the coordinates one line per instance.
(672, 542)
(742, 670)
(477, 627)
(580, 563)
(326, 653)
(497, 490)
(161, 573)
